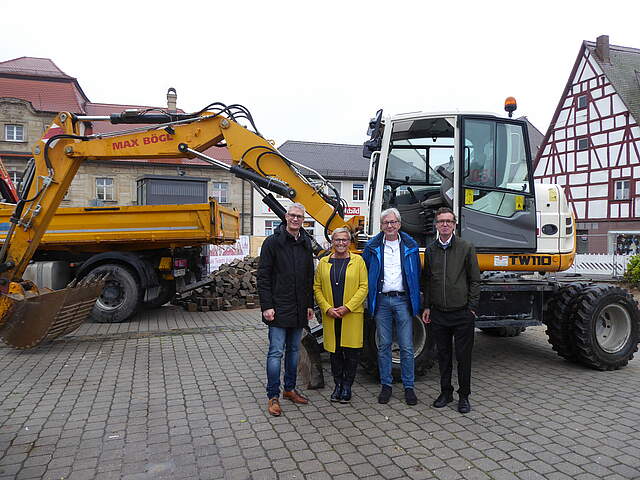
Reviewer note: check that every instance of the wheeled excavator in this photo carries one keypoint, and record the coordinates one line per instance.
(479, 164)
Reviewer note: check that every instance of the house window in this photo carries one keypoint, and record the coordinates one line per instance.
(105, 189)
(582, 102)
(309, 226)
(358, 191)
(582, 143)
(337, 186)
(621, 190)
(220, 191)
(14, 133)
(270, 226)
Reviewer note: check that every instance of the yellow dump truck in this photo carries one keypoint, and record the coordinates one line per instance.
(150, 251)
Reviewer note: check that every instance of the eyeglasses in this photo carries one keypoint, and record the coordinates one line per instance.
(446, 222)
(341, 240)
(390, 222)
(296, 217)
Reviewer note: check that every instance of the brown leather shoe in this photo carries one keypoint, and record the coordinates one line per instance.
(295, 397)
(274, 407)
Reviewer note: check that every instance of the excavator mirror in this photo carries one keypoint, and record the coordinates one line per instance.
(375, 133)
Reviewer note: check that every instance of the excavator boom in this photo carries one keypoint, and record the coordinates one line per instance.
(29, 316)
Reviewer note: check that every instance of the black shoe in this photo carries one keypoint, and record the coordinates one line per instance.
(463, 405)
(346, 394)
(385, 394)
(410, 396)
(337, 393)
(443, 400)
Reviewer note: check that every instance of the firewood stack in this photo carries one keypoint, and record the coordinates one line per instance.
(231, 287)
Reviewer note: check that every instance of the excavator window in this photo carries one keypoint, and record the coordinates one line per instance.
(419, 171)
(496, 167)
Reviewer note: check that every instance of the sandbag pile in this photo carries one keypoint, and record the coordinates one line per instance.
(231, 287)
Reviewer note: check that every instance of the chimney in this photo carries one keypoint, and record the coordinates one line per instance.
(602, 48)
(172, 99)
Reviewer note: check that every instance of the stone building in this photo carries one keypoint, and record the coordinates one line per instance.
(34, 90)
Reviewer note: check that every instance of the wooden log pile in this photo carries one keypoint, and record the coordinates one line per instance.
(231, 287)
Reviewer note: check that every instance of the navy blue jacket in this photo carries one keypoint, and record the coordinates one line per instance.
(373, 255)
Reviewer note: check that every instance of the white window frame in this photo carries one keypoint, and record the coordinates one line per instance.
(220, 191)
(358, 192)
(578, 146)
(14, 137)
(336, 185)
(105, 189)
(579, 101)
(270, 226)
(621, 189)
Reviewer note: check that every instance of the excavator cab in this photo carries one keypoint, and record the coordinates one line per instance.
(478, 165)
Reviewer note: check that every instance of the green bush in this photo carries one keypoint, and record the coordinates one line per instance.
(632, 274)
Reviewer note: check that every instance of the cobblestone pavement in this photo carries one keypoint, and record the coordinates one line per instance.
(181, 395)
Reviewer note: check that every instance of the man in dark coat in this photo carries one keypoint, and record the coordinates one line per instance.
(451, 295)
(285, 287)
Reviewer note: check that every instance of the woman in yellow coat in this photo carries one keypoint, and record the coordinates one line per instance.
(340, 288)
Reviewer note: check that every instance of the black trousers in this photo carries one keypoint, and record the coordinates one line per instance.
(449, 329)
(344, 362)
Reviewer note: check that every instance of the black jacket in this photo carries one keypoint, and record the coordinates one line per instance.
(285, 278)
(451, 276)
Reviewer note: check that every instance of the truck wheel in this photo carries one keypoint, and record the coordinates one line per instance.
(503, 331)
(424, 352)
(607, 326)
(120, 297)
(167, 291)
(560, 320)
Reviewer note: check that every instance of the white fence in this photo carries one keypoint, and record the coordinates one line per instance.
(600, 264)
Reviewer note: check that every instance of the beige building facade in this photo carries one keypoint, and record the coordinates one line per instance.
(33, 91)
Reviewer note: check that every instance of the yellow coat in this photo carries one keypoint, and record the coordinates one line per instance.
(355, 294)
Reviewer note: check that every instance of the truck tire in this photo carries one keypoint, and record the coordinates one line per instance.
(607, 326)
(121, 296)
(503, 331)
(424, 350)
(560, 320)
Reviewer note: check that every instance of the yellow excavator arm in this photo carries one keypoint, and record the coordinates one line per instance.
(57, 157)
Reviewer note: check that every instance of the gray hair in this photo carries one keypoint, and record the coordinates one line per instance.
(341, 230)
(298, 206)
(390, 211)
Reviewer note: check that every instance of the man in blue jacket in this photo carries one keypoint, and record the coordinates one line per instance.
(393, 262)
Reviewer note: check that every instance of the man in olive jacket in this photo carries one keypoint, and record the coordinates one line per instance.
(451, 281)
(285, 288)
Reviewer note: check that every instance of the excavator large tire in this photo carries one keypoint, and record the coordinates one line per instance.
(607, 327)
(560, 319)
(120, 298)
(424, 349)
(503, 331)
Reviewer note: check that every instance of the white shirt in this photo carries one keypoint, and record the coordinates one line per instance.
(392, 267)
(445, 244)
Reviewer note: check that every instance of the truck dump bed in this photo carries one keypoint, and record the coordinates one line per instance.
(97, 229)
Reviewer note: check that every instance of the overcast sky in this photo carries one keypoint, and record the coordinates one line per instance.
(318, 71)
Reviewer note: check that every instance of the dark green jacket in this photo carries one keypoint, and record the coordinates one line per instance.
(451, 276)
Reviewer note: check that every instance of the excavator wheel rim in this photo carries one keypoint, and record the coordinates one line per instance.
(613, 328)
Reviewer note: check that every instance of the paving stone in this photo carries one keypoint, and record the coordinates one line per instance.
(542, 417)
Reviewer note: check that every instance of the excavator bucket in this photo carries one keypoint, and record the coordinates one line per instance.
(35, 318)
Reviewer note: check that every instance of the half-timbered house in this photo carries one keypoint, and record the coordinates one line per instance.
(592, 147)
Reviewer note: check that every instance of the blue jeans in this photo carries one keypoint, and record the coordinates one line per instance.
(395, 310)
(282, 341)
